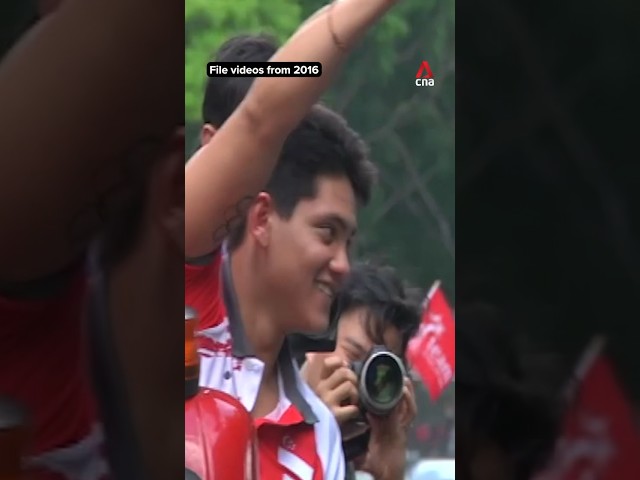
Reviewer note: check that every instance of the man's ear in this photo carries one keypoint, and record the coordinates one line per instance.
(259, 219)
(166, 192)
(206, 134)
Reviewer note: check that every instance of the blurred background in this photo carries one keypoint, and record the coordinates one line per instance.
(546, 182)
(410, 223)
(547, 197)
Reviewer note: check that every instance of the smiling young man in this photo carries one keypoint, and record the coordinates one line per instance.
(284, 182)
(279, 272)
(283, 264)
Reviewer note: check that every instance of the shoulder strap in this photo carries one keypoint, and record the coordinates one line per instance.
(122, 449)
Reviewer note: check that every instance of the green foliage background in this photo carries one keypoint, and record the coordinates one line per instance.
(411, 130)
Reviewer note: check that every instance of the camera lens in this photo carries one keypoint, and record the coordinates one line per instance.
(383, 381)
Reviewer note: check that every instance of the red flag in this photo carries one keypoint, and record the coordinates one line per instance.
(600, 440)
(432, 352)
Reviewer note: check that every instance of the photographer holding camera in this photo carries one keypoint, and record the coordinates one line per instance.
(364, 381)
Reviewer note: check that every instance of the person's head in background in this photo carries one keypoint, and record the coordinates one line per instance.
(374, 307)
(507, 417)
(223, 94)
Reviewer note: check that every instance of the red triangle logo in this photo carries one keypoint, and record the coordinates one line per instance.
(424, 67)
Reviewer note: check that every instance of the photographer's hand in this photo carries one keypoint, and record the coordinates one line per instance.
(386, 455)
(335, 383)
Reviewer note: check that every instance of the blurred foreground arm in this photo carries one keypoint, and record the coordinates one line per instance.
(239, 160)
(79, 92)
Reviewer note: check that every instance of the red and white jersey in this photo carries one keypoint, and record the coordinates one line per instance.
(300, 439)
(43, 367)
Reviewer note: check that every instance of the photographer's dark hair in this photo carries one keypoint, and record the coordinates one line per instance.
(223, 95)
(322, 145)
(505, 397)
(387, 300)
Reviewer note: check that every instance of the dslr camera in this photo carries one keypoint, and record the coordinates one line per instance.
(380, 384)
(380, 381)
(380, 375)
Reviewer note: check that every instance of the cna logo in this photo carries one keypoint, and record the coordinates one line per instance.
(424, 77)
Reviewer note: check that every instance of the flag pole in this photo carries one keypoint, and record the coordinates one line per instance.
(432, 291)
(594, 349)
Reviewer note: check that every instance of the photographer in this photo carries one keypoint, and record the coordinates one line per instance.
(371, 309)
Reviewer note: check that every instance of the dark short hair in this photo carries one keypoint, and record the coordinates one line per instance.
(322, 145)
(223, 94)
(387, 301)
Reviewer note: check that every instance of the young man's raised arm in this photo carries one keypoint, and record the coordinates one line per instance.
(238, 162)
(79, 92)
